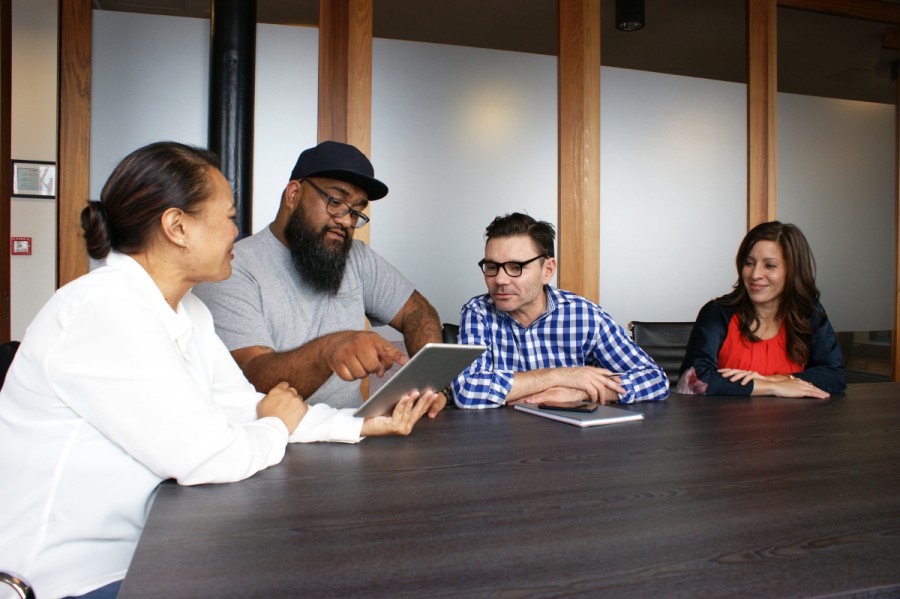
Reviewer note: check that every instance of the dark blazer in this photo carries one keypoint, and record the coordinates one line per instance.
(825, 368)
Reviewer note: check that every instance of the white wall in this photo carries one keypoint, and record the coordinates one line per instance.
(149, 82)
(461, 135)
(673, 182)
(286, 105)
(33, 137)
(836, 169)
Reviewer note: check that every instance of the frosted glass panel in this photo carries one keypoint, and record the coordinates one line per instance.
(150, 82)
(460, 135)
(836, 164)
(287, 73)
(673, 180)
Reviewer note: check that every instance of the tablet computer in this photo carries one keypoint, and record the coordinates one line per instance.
(433, 367)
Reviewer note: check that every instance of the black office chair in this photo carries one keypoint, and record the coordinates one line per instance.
(449, 333)
(7, 353)
(665, 342)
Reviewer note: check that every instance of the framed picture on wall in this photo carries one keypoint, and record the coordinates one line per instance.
(33, 179)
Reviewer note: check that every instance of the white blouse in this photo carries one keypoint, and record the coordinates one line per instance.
(110, 393)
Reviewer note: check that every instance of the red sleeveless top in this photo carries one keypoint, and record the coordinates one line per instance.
(766, 357)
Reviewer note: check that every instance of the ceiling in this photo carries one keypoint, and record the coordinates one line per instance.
(818, 54)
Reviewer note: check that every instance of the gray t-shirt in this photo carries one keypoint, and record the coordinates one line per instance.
(266, 302)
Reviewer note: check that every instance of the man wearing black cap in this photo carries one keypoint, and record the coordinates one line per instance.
(301, 285)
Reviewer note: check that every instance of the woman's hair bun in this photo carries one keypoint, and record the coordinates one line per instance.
(95, 222)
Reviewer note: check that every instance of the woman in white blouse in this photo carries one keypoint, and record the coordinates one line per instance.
(121, 383)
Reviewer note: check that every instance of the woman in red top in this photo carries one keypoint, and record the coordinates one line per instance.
(770, 335)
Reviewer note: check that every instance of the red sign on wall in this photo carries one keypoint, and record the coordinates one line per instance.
(20, 246)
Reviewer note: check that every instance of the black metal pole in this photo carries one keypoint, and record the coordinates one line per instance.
(232, 62)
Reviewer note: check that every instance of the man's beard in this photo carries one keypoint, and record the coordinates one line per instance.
(320, 265)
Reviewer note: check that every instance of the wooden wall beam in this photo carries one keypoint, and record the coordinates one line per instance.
(579, 147)
(762, 87)
(74, 143)
(345, 76)
(895, 345)
(869, 10)
(5, 157)
(345, 82)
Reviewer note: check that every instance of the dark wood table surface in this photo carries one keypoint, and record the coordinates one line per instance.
(707, 497)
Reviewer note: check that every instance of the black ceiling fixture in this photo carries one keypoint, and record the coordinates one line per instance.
(629, 15)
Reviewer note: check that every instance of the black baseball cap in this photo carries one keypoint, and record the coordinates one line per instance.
(340, 161)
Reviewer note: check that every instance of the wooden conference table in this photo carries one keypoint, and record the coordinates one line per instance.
(707, 497)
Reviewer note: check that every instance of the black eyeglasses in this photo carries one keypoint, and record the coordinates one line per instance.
(337, 208)
(513, 269)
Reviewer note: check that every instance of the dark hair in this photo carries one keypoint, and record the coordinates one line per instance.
(141, 188)
(509, 225)
(800, 298)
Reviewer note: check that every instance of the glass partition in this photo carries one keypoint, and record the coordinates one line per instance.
(837, 174)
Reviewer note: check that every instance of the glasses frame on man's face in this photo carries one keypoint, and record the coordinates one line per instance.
(338, 208)
(494, 267)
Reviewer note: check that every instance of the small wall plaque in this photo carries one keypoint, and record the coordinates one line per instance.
(33, 179)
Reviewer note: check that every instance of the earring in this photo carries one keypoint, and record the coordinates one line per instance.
(184, 246)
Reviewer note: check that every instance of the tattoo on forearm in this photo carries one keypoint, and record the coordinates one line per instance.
(422, 324)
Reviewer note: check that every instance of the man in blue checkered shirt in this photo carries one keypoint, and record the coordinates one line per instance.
(544, 344)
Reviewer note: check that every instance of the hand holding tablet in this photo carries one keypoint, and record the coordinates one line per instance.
(433, 367)
(408, 411)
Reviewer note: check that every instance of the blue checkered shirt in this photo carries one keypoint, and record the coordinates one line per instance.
(572, 332)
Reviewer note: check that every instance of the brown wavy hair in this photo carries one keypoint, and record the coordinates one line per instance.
(800, 298)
